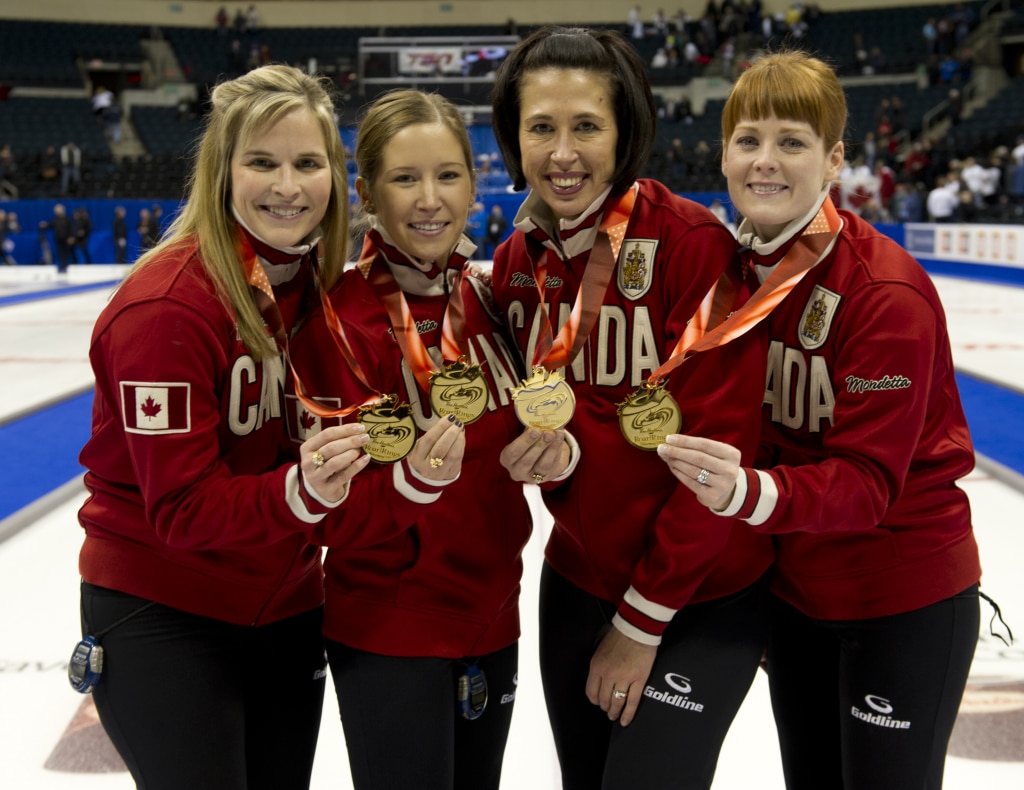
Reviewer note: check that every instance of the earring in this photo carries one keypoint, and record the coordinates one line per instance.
(368, 208)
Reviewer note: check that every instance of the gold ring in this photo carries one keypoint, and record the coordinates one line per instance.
(318, 459)
(538, 478)
(435, 462)
(618, 694)
(702, 478)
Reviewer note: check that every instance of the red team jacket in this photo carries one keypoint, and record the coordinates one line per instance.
(864, 438)
(425, 570)
(190, 503)
(625, 530)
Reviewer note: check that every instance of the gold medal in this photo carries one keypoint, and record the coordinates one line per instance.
(648, 415)
(459, 389)
(545, 400)
(391, 430)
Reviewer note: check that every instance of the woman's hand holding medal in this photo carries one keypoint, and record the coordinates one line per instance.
(708, 468)
(536, 455)
(331, 458)
(438, 452)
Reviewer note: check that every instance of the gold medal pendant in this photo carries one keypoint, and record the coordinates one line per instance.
(391, 430)
(648, 415)
(545, 400)
(459, 389)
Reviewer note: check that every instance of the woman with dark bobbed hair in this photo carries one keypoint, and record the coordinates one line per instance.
(650, 608)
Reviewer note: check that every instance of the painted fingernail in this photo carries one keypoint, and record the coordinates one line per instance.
(451, 418)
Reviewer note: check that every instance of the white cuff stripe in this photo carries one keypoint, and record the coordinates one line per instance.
(739, 496)
(768, 500)
(408, 490)
(574, 457)
(633, 632)
(294, 498)
(653, 610)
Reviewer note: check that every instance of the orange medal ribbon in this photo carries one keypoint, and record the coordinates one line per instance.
(556, 352)
(263, 293)
(651, 413)
(801, 258)
(402, 321)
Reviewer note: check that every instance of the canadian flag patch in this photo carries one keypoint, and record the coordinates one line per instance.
(302, 423)
(156, 407)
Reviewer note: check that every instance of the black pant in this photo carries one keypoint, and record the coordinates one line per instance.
(703, 670)
(196, 703)
(870, 704)
(402, 726)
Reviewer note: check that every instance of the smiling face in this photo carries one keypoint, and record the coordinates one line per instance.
(567, 137)
(423, 191)
(281, 180)
(776, 169)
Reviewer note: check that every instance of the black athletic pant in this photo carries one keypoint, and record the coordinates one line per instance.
(402, 725)
(870, 704)
(196, 703)
(703, 670)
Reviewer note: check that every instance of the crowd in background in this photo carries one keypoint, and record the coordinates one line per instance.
(895, 173)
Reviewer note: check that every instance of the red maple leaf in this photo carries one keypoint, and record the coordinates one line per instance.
(307, 420)
(150, 407)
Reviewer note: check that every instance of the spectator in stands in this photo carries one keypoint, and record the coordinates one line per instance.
(6, 245)
(874, 606)
(476, 229)
(635, 23)
(930, 34)
(112, 123)
(949, 70)
(236, 57)
(197, 569)
(1017, 154)
(8, 169)
(252, 20)
(497, 227)
(942, 199)
(1015, 187)
(676, 164)
(221, 20)
(917, 164)
(143, 228)
(906, 203)
(869, 148)
(722, 214)
(70, 167)
(871, 212)
(885, 180)
(966, 208)
(82, 223)
(897, 113)
(993, 177)
(683, 109)
(102, 99)
(149, 227)
(627, 559)
(63, 235)
(119, 231)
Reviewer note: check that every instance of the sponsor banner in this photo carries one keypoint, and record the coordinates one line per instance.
(435, 60)
(994, 245)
